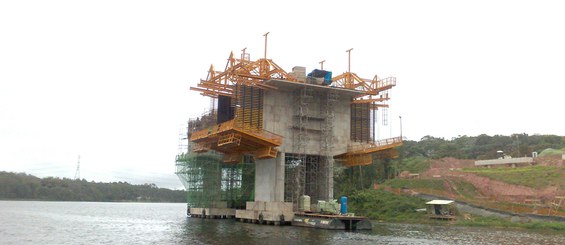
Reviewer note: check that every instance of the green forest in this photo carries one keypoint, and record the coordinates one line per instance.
(482, 146)
(21, 186)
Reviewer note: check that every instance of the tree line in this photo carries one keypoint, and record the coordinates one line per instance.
(21, 186)
(414, 156)
(481, 147)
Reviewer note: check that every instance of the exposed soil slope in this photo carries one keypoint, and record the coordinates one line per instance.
(496, 193)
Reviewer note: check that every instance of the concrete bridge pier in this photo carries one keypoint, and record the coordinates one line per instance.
(269, 205)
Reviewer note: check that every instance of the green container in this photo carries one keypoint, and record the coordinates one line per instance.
(331, 207)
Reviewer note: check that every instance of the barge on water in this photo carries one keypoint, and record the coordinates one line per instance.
(332, 221)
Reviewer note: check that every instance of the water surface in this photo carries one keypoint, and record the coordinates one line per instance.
(30, 222)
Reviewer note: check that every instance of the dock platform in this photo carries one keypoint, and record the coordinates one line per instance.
(211, 213)
(332, 222)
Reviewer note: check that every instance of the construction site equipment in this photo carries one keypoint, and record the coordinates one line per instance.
(343, 205)
(327, 207)
(441, 209)
(304, 204)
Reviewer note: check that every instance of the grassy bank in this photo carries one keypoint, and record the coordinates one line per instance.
(479, 221)
(531, 176)
(426, 184)
(384, 206)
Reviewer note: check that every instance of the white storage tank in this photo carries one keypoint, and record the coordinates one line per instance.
(304, 203)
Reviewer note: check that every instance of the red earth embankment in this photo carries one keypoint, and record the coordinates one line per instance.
(496, 193)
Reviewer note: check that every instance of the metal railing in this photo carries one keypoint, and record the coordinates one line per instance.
(386, 82)
(375, 144)
(231, 125)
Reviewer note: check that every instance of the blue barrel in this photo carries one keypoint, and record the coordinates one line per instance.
(343, 201)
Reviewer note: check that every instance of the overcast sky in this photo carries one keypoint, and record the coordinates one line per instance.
(109, 80)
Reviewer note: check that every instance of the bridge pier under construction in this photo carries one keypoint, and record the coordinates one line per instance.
(272, 137)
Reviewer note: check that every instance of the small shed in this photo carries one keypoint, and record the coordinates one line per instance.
(441, 209)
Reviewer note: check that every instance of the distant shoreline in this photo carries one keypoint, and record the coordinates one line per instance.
(21, 186)
(122, 201)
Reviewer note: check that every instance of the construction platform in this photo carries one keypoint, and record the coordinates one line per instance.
(271, 213)
(280, 213)
(235, 140)
(360, 154)
(211, 213)
(332, 222)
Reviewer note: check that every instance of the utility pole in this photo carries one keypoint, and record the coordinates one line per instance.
(77, 172)
(243, 54)
(322, 64)
(400, 117)
(400, 153)
(349, 59)
(518, 145)
(265, 35)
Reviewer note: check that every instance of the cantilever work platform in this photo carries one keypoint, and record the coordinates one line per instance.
(233, 141)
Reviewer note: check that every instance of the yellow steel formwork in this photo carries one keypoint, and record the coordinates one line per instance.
(231, 139)
(361, 154)
(240, 72)
(244, 134)
(253, 73)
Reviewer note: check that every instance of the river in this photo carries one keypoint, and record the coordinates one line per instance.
(36, 222)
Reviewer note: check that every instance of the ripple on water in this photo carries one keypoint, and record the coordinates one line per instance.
(146, 223)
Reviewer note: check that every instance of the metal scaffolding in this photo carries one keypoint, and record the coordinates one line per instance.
(327, 140)
(210, 183)
(295, 172)
(310, 172)
(233, 132)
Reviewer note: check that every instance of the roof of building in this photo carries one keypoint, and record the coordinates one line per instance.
(504, 161)
(439, 202)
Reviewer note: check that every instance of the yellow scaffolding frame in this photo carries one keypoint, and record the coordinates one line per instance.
(244, 134)
(361, 154)
(233, 140)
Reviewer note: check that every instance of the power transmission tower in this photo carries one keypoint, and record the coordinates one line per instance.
(77, 172)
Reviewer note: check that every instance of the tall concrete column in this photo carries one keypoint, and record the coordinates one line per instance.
(269, 179)
(279, 185)
(265, 179)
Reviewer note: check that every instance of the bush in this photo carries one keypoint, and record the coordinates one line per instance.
(505, 223)
(551, 152)
(386, 206)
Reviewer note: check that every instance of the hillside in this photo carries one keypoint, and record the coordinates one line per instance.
(528, 189)
(21, 186)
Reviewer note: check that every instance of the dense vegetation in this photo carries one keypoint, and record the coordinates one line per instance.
(22, 186)
(482, 146)
(415, 156)
(489, 221)
(386, 206)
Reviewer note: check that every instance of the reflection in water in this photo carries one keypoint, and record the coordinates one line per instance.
(206, 231)
(203, 231)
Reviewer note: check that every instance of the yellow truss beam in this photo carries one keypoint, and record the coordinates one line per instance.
(243, 72)
(374, 87)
